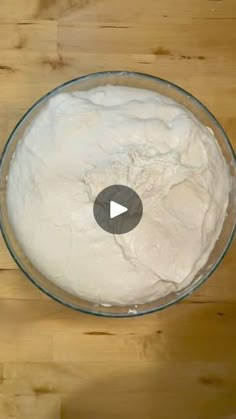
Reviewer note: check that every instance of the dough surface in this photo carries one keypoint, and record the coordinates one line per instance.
(83, 142)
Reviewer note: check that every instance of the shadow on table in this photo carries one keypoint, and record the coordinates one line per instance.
(147, 394)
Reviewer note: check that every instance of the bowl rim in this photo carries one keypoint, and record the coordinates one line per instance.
(132, 312)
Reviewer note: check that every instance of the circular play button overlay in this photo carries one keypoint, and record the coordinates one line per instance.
(118, 209)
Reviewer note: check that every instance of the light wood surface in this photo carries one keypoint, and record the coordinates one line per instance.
(59, 364)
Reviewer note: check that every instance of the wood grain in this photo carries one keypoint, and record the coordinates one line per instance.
(59, 364)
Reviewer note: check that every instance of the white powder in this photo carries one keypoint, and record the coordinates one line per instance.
(85, 141)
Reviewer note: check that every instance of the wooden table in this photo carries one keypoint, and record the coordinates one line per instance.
(56, 363)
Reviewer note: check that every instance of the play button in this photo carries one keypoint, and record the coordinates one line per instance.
(118, 209)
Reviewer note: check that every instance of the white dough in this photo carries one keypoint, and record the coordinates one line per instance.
(85, 141)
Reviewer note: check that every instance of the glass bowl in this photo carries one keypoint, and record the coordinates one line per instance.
(137, 80)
